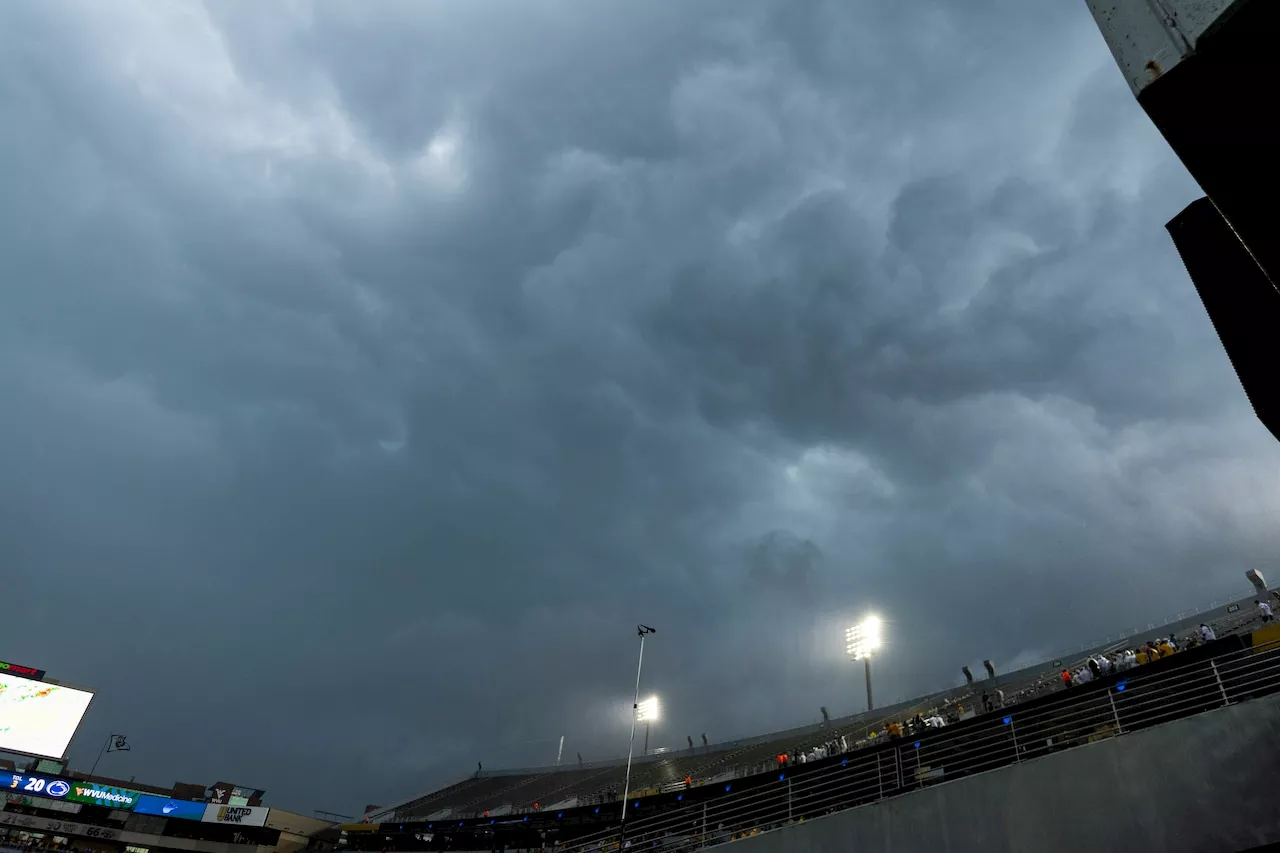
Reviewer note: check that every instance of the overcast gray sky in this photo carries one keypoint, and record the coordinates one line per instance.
(370, 369)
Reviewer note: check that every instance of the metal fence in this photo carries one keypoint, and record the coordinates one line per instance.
(1073, 718)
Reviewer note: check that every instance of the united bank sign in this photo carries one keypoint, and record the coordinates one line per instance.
(236, 815)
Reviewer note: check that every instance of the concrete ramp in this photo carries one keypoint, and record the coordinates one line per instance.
(1209, 783)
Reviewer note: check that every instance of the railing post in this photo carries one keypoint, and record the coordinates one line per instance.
(788, 798)
(879, 778)
(1014, 732)
(1112, 698)
(1221, 687)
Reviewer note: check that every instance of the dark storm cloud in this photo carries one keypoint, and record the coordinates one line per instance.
(370, 370)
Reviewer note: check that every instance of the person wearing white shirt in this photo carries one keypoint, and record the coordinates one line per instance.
(1265, 610)
(1206, 633)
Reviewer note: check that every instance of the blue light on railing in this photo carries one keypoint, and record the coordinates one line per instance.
(1120, 686)
(597, 810)
(844, 763)
(559, 815)
(917, 744)
(679, 797)
(636, 804)
(1007, 720)
(781, 776)
(727, 787)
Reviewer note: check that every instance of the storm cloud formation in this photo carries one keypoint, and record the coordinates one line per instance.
(370, 369)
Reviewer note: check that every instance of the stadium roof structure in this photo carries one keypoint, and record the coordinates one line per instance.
(528, 789)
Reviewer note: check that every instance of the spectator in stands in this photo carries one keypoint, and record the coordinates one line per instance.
(1206, 633)
(1265, 610)
(1166, 648)
(1095, 668)
(1066, 678)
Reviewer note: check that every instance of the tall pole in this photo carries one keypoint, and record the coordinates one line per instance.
(867, 661)
(635, 709)
(100, 753)
(646, 737)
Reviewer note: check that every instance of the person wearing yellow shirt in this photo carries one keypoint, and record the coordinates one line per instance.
(1165, 648)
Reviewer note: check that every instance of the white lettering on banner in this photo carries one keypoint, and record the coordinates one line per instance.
(45, 824)
(108, 796)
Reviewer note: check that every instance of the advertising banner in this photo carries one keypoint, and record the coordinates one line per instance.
(103, 795)
(167, 807)
(236, 815)
(36, 786)
(23, 671)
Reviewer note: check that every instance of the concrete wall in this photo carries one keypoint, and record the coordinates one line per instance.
(1145, 41)
(1206, 783)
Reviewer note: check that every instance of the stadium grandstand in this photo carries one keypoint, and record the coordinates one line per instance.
(580, 797)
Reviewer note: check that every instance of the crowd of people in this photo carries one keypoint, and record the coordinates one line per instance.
(817, 752)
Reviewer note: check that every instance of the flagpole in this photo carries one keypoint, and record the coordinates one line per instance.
(101, 752)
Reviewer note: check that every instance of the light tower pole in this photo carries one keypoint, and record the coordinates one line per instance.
(860, 641)
(643, 630)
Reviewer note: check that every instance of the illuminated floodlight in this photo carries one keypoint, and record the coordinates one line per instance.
(648, 711)
(864, 638)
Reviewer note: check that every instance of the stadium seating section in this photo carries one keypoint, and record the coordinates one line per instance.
(602, 783)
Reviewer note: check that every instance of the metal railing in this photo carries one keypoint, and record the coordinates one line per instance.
(1073, 718)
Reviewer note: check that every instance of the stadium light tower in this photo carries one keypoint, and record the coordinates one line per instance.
(860, 641)
(648, 712)
(643, 630)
